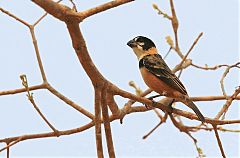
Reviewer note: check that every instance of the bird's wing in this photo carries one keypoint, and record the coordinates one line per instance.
(156, 65)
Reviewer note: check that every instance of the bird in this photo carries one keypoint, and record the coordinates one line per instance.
(157, 75)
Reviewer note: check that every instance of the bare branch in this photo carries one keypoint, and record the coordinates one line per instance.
(106, 122)
(228, 103)
(38, 54)
(160, 12)
(15, 17)
(70, 102)
(162, 120)
(225, 74)
(30, 98)
(98, 133)
(194, 43)
(219, 141)
(103, 7)
(112, 104)
(43, 16)
(20, 90)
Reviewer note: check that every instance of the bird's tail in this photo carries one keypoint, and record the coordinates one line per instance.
(191, 105)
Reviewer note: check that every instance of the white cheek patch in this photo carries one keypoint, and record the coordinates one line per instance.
(139, 47)
(141, 43)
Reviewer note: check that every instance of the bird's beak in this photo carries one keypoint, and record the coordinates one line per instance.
(132, 44)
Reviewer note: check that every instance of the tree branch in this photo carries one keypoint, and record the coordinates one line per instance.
(103, 7)
(219, 141)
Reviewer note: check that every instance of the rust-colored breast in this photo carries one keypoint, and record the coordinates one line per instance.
(158, 85)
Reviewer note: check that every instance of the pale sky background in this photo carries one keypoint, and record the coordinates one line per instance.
(106, 35)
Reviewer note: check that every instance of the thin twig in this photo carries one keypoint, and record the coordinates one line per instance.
(38, 54)
(225, 74)
(43, 16)
(21, 90)
(160, 12)
(194, 43)
(162, 120)
(219, 141)
(175, 25)
(228, 103)
(15, 17)
(30, 98)
(69, 102)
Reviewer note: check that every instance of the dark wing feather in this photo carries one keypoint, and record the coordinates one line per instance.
(156, 65)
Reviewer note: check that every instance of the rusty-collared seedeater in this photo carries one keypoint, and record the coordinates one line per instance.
(157, 75)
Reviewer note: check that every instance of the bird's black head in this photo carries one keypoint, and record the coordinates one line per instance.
(141, 42)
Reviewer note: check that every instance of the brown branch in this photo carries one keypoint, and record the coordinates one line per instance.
(219, 141)
(49, 134)
(191, 115)
(21, 90)
(37, 54)
(162, 106)
(206, 67)
(82, 53)
(103, 7)
(219, 128)
(212, 98)
(97, 120)
(42, 116)
(228, 103)
(8, 151)
(189, 51)
(59, 11)
(162, 120)
(69, 102)
(106, 122)
(224, 75)
(112, 118)
(30, 98)
(40, 19)
(11, 144)
(175, 25)
(112, 104)
(185, 129)
(15, 17)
